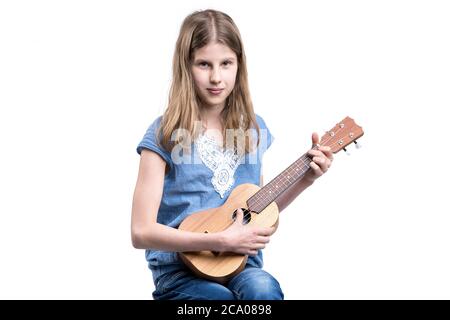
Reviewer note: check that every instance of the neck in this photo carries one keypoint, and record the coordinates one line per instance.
(212, 114)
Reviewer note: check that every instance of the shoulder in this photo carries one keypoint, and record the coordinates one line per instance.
(152, 139)
(156, 123)
(260, 120)
(153, 128)
(266, 136)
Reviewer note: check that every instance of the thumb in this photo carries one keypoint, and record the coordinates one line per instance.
(315, 138)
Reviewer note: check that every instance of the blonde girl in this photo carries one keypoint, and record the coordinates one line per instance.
(208, 141)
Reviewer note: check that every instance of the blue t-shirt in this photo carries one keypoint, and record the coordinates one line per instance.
(201, 180)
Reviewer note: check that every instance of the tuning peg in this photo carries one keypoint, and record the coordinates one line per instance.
(346, 151)
(358, 145)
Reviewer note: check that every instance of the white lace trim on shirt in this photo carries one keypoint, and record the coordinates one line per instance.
(222, 164)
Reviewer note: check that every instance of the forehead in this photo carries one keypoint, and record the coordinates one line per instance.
(214, 51)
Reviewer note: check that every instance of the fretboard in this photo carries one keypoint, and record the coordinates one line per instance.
(269, 193)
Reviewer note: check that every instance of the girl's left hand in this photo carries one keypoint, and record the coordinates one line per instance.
(321, 160)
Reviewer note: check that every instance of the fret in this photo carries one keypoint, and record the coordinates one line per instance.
(267, 194)
(337, 138)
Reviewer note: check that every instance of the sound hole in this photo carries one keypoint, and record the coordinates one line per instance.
(247, 215)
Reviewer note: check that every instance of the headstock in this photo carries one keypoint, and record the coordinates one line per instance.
(341, 135)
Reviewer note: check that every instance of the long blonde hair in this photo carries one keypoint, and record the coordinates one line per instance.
(199, 29)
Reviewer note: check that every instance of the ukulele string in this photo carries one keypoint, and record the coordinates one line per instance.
(259, 201)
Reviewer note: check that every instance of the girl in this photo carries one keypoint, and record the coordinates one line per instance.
(190, 162)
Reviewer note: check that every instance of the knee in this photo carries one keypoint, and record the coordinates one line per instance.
(223, 295)
(258, 285)
(265, 288)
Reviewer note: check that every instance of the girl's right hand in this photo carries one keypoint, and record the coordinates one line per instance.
(245, 239)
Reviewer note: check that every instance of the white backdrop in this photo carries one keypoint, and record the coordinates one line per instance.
(81, 81)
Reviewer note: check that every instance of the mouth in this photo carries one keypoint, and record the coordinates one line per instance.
(215, 91)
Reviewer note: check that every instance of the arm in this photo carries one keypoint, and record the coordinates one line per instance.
(290, 194)
(146, 232)
(321, 162)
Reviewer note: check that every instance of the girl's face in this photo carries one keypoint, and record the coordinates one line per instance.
(214, 70)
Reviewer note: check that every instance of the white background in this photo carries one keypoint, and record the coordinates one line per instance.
(80, 81)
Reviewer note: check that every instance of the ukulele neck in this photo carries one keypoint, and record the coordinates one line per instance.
(280, 184)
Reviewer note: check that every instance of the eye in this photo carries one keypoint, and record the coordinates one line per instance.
(228, 62)
(203, 64)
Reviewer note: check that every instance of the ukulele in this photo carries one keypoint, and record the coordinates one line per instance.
(257, 204)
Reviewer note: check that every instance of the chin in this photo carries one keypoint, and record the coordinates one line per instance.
(210, 101)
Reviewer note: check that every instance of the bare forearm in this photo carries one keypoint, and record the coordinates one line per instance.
(290, 194)
(161, 237)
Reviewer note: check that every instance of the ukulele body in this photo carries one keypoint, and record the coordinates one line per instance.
(221, 266)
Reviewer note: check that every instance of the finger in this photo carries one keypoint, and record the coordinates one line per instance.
(327, 152)
(317, 171)
(266, 231)
(322, 162)
(259, 246)
(314, 152)
(318, 153)
(263, 239)
(252, 252)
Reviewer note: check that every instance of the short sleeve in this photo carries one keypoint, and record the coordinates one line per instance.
(266, 137)
(151, 142)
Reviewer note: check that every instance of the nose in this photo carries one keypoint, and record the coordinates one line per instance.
(215, 76)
